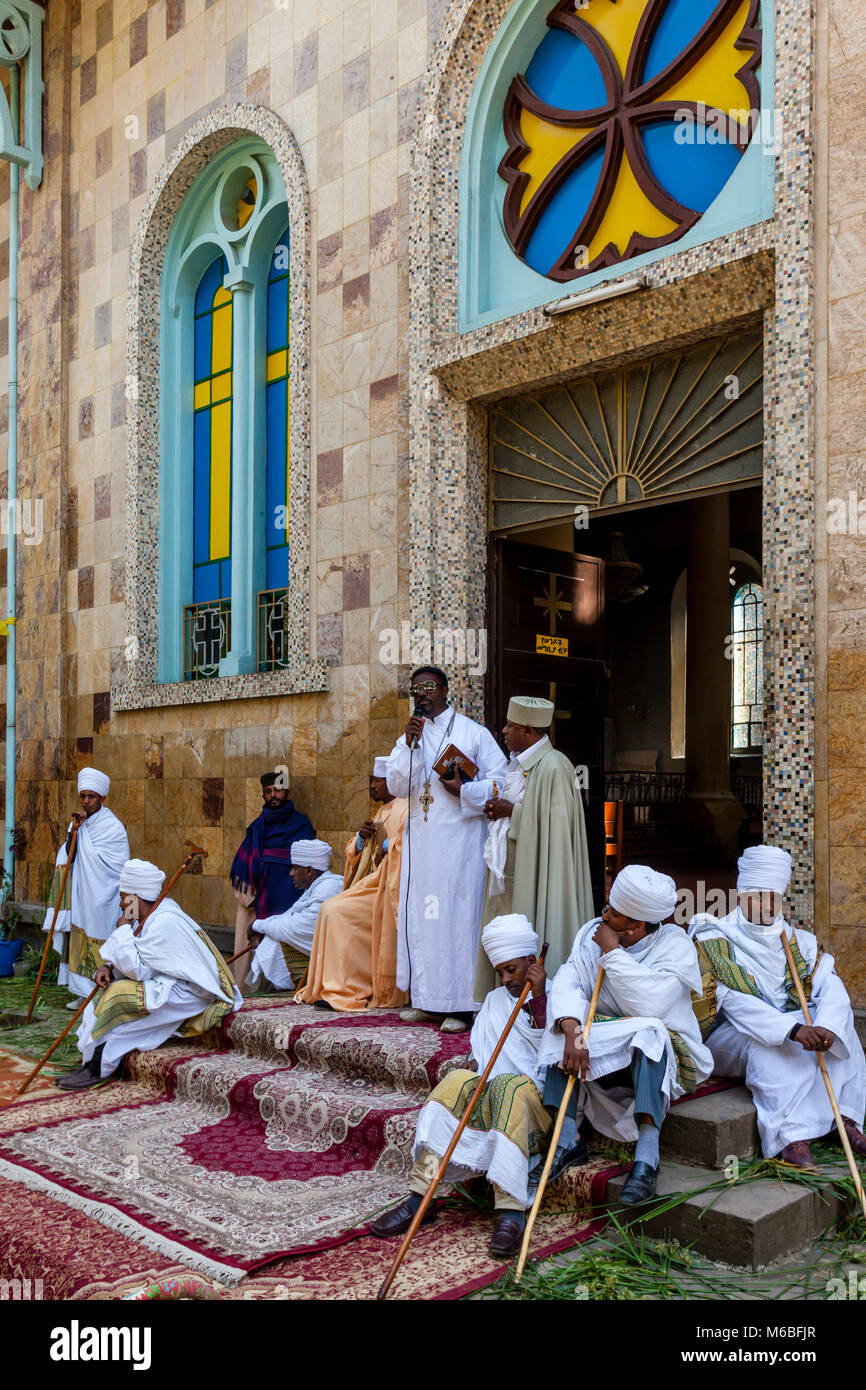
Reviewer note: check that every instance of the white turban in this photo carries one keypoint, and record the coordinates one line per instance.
(311, 854)
(509, 938)
(528, 709)
(764, 869)
(643, 894)
(89, 780)
(380, 767)
(143, 878)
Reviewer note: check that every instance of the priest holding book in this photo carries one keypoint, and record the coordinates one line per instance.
(442, 874)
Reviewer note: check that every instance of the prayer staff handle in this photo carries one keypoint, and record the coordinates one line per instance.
(837, 1115)
(50, 937)
(195, 850)
(554, 1138)
(476, 1096)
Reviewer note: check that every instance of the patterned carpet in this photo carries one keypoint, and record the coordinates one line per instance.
(273, 1142)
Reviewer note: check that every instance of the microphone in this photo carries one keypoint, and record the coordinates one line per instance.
(418, 713)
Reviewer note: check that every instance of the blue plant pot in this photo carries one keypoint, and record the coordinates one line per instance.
(9, 953)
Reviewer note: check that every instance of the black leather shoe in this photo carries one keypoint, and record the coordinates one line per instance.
(508, 1231)
(574, 1157)
(640, 1184)
(398, 1220)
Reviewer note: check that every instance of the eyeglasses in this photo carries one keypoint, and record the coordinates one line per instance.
(426, 689)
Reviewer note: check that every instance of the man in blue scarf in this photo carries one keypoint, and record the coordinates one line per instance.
(261, 869)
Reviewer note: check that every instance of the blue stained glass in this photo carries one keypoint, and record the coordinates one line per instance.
(202, 347)
(208, 285)
(563, 215)
(201, 487)
(206, 582)
(693, 173)
(681, 22)
(278, 315)
(278, 567)
(225, 578)
(564, 73)
(276, 412)
(280, 258)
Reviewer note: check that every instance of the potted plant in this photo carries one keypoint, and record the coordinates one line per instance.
(10, 949)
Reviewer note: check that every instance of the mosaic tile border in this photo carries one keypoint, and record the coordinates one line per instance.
(448, 437)
(138, 688)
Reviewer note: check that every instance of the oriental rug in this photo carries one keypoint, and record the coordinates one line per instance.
(60, 1253)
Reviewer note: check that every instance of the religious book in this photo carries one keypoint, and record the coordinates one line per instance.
(452, 757)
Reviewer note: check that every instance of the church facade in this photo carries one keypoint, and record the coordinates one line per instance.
(523, 337)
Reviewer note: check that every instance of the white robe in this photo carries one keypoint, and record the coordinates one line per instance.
(751, 1039)
(180, 977)
(489, 1152)
(650, 985)
(101, 850)
(296, 926)
(443, 871)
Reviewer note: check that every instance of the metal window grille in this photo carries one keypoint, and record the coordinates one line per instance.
(207, 633)
(748, 674)
(273, 630)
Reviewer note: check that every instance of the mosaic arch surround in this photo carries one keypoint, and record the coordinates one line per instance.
(134, 667)
(696, 289)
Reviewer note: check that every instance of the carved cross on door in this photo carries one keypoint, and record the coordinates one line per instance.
(553, 604)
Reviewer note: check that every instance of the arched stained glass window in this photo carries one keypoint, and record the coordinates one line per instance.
(273, 602)
(208, 617)
(747, 720)
(212, 437)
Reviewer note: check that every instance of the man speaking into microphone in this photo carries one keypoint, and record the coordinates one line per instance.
(443, 869)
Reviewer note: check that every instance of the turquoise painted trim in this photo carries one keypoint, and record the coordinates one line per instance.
(493, 284)
(197, 235)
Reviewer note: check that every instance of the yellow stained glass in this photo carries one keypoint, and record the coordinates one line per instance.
(713, 79)
(247, 202)
(277, 364)
(222, 387)
(221, 340)
(629, 209)
(220, 479)
(547, 143)
(616, 23)
(202, 395)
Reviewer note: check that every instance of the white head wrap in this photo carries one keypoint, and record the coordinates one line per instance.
(643, 894)
(141, 877)
(764, 869)
(531, 710)
(509, 938)
(90, 780)
(380, 767)
(311, 854)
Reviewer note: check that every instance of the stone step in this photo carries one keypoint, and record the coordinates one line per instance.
(752, 1225)
(709, 1130)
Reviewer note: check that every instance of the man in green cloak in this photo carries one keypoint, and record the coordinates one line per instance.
(536, 851)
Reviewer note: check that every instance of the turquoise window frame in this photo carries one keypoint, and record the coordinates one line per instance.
(493, 284)
(198, 234)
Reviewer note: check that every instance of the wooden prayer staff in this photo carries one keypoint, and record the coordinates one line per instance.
(554, 1138)
(194, 850)
(840, 1123)
(50, 936)
(467, 1116)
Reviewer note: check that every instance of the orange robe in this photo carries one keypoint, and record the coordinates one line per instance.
(353, 963)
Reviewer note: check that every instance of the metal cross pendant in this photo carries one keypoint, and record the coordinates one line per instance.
(426, 799)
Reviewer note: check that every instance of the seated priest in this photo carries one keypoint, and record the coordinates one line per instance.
(353, 963)
(644, 1048)
(261, 870)
(508, 1129)
(754, 1024)
(167, 981)
(283, 942)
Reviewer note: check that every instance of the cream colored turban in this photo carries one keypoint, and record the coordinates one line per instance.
(527, 709)
(643, 894)
(509, 938)
(143, 878)
(764, 869)
(90, 780)
(311, 854)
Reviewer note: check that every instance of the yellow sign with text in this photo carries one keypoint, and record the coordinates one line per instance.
(551, 646)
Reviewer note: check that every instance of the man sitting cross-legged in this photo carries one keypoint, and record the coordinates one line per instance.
(169, 980)
(283, 942)
(754, 1024)
(509, 1126)
(644, 1049)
